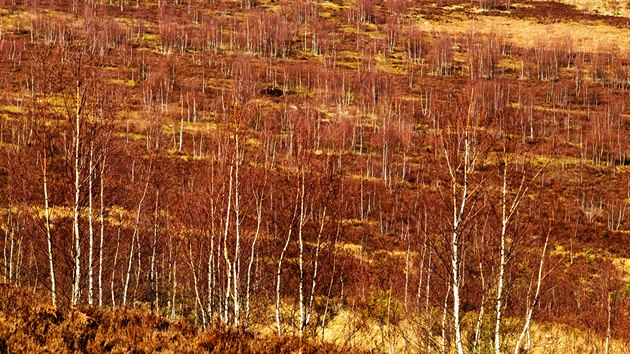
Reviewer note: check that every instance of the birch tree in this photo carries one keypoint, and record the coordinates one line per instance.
(134, 236)
(49, 241)
(76, 280)
(259, 209)
(237, 227)
(534, 301)
(102, 230)
(91, 225)
(508, 211)
(301, 223)
(282, 255)
(462, 152)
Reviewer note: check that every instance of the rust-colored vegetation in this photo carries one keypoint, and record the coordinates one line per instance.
(280, 176)
(28, 324)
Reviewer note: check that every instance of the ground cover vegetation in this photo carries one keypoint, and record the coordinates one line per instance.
(312, 175)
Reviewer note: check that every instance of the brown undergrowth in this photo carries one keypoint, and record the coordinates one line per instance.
(29, 324)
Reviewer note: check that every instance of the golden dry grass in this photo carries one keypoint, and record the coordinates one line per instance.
(349, 328)
(529, 33)
(553, 338)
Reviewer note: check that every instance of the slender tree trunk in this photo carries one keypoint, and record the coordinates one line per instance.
(115, 263)
(134, 236)
(608, 324)
(7, 231)
(315, 269)
(102, 234)
(49, 241)
(237, 229)
(456, 302)
(444, 312)
(279, 270)
(19, 261)
(530, 311)
(455, 270)
(76, 281)
(427, 298)
(499, 308)
(481, 310)
(138, 269)
(152, 275)
(259, 207)
(301, 257)
(174, 288)
(91, 227)
(407, 270)
(181, 134)
(226, 254)
(278, 273)
(459, 204)
(330, 285)
(211, 280)
(210, 270)
(507, 214)
(198, 302)
(421, 273)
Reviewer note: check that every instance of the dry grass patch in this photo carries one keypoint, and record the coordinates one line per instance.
(529, 33)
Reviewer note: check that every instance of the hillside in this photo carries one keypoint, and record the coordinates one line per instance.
(379, 175)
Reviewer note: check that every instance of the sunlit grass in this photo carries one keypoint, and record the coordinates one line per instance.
(129, 83)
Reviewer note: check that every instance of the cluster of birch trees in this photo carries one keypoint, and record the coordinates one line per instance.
(193, 167)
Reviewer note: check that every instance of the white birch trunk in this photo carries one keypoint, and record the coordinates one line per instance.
(133, 242)
(315, 268)
(138, 269)
(608, 324)
(481, 310)
(210, 268)
(530, 311)
(427, 298)
(113, 277)
(504, 222)
(460, 194)
(237, 224)
(76, 281)
(153, 250)
(53, 291)
(226, 254)
(330, 285)
(407, 270)
(455, 262)
(259, 207)
(196, 286)
(279, 271)
(444, 312)
(91, 227)
(174, 289)
(210, 275)
(421, 273)
(102, 234)
(506, 217)
(301, 257)
(5, 246)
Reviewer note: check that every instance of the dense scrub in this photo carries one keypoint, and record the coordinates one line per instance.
(29, 324)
